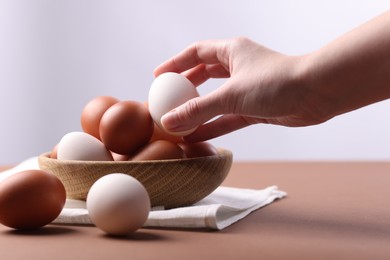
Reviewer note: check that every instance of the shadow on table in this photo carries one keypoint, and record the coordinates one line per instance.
(43, 231)
(136, 236)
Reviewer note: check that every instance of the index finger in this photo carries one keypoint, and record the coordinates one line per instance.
(203, 52)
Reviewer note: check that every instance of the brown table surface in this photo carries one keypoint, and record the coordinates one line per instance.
(334, 210)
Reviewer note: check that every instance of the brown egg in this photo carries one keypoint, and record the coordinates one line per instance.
(159, 150)
(53, 153)
(126, 126)
(93, 112)
(30, 199)
(120, 157)
(159, 134)
(200, 149)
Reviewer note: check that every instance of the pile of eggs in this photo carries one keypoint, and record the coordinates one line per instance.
(129, 130)
(113, 130)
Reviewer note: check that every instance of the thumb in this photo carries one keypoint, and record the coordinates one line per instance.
(191, 114)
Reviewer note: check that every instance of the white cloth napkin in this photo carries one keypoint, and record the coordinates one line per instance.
(223, 207)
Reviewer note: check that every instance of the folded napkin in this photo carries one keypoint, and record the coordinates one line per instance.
(220, 209)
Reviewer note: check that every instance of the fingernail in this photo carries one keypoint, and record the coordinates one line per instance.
(169, 121)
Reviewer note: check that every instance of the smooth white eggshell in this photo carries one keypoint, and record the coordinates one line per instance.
(82, 146)
(118, 204)
(168, 91)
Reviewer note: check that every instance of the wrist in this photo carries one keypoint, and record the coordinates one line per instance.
(350, 72)
(314, 100)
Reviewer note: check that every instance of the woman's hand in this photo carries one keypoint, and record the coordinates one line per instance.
(263, 86)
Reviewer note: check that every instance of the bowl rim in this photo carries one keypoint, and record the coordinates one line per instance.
(222, 152)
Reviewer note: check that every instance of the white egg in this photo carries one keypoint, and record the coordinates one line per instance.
(82, 146)
(118, 204)
(168, 91)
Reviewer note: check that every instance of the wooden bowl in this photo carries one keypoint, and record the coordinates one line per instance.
(170, 183)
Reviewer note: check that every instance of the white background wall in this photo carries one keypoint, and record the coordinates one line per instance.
(57, 55)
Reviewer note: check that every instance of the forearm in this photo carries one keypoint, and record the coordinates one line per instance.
(353, 71)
